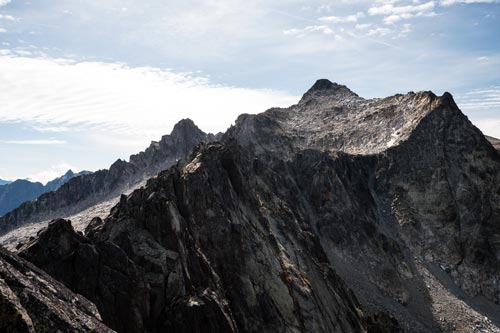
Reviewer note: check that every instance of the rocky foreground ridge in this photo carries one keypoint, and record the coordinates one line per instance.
(338, 214)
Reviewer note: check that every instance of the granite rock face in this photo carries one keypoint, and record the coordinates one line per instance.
(31, 301)
(82, 192)
(206, 245)
(338, 214)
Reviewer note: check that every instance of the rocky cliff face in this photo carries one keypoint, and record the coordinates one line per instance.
(31, 301)
(338, 214)
(85, 191)
(205, 247)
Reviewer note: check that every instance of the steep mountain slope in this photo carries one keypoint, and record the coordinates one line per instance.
(58, 182)
(338, 214)
(494, 141)
(15, 193)
(190, 252)
(31, 301)
(83, 192)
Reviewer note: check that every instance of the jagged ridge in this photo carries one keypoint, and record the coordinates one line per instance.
(269, 230)
(82, 192)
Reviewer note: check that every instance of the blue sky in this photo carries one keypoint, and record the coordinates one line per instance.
(83, 83)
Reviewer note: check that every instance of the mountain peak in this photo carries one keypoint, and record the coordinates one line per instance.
(327, 88)
(323, 84)
(185, 127)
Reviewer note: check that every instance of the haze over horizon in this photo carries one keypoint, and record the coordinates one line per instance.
(83, 84)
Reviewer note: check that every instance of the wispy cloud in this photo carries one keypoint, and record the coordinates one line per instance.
(454, 2)
(393, 14)
(33, 142)
(483, 105)
(342, 19)
(324, 29)
(137, 102)
(54, 171)
(481, 99)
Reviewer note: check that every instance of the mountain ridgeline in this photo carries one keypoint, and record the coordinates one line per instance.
(337, 214)
(83, 192)
(13, 194)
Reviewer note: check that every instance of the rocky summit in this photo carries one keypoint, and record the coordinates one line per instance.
(337, 214)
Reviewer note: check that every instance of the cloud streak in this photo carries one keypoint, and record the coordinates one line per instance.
(455, 2)
(141, 102)
(33, 142)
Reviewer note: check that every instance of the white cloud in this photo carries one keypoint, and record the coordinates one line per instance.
(135, 103)
(324, 29)
(342, 19)
(4, 2)
(394, 14)
(390, 9)
(51, 173)
(489, 126)
(363, 26)
(34, 142)
(7, 17)
(454, 2)
(483, 106)
(481, 99)
(378, 31)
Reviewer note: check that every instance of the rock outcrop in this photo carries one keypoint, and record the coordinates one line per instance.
(33, 302)
(338, 214)
(83, 192)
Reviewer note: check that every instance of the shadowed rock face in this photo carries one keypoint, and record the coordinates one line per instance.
(32, 301)
(231, 262)
(338, 214)
(85, 191)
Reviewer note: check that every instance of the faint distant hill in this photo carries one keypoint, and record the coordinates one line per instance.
(4, 182)
(13, 194)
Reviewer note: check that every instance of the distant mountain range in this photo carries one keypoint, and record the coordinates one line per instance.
(4, 182)
(84, 192)
(13, 194)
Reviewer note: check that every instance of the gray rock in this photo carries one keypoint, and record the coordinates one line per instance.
(333, 215)
(32, 301)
